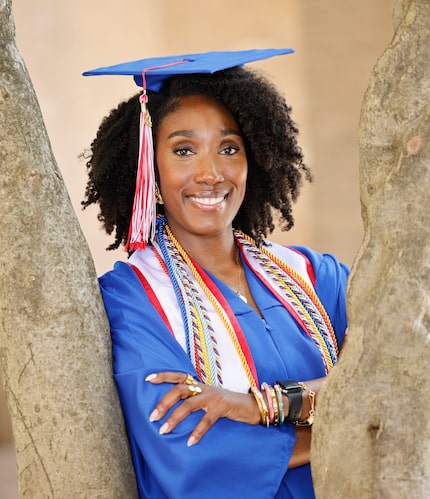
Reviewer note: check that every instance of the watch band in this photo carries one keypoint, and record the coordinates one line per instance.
(293, 390)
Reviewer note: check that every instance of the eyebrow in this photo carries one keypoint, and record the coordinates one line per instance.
(192, 133)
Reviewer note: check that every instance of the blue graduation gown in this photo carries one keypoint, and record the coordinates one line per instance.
(233, 460)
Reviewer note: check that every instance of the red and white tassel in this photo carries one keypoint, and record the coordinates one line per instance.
(143, 218)
(142, 225)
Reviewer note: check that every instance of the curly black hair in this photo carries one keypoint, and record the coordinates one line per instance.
(275, 161)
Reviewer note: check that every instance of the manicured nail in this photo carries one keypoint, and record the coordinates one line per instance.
(154, 416)
(164, 429)
(150, 377)
(191, 441)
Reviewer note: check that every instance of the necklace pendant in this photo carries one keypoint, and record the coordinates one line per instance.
(243, 298)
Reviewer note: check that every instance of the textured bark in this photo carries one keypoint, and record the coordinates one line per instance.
(54, 337)
(372, 436)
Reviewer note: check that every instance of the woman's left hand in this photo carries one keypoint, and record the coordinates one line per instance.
(215, 402)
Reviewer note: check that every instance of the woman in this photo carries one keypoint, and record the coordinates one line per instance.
(221, 339)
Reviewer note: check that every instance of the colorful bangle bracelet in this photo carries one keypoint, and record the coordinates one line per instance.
(280, 398)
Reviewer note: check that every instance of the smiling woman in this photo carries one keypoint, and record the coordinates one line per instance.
(221, 339)
(202, 169)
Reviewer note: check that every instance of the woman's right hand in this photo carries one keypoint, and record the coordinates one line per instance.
(215, 402)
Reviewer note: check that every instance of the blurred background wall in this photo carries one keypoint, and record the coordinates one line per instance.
(337, 43)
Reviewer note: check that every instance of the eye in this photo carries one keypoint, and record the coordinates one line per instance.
(230, 150)
(182, 151)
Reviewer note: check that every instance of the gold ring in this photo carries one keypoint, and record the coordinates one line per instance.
(194, 390)
(189, 380)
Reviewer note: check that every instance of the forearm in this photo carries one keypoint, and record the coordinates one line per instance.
(221, 403)
(314, 385)
(302, 448)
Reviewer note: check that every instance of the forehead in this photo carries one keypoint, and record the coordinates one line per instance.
(195, 105)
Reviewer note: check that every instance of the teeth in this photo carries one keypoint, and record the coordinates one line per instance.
(208, 201)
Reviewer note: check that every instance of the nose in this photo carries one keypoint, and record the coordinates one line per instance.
(208, 170)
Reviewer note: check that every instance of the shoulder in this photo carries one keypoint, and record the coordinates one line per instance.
(323, 264)
(329, 277)
(119, 288)
(132, 285)
(319, 266)
(120, 276)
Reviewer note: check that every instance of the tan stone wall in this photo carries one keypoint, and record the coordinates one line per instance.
(337, 43)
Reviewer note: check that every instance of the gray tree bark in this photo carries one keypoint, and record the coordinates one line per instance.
(54, 337)
(372, 435)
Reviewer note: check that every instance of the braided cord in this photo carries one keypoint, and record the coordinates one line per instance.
(300, 296)
(201, 341)
(202, 348)
(177, 287)
(220, 311)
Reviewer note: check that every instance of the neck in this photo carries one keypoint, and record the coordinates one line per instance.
(219, 255)
(215, 253)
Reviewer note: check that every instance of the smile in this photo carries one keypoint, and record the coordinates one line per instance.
(207, 201)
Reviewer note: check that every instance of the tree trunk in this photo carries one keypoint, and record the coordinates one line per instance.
(372, 435)
(54, 338)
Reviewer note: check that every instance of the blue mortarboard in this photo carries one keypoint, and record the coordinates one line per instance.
(158, 69)
(151, 75)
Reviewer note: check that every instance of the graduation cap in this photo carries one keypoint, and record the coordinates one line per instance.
(150, 74)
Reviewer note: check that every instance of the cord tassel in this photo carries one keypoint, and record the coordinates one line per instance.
(142, 225)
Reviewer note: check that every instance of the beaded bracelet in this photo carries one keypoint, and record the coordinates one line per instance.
(264, 411)
(311, 416)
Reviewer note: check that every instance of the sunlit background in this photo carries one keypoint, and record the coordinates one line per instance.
(337, 43)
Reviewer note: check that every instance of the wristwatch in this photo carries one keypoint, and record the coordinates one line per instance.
(293, 391)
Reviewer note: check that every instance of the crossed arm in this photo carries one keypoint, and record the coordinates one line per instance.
(221, 403)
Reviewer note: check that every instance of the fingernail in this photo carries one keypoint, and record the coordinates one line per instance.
(150, 377)
(191, 441)
(154, 415)
(164, 429)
